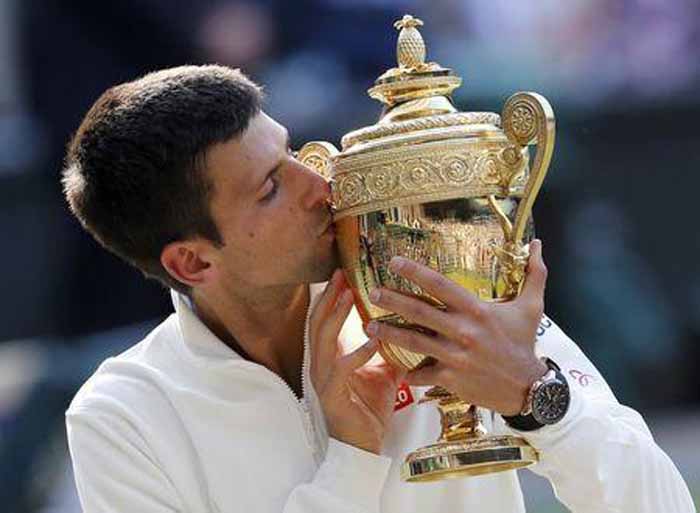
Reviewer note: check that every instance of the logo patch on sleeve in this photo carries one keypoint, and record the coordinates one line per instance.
(404, 397)
(583, 379)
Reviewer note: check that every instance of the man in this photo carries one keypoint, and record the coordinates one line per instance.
(243, 400)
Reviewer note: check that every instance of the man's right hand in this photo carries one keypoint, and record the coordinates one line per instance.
(357, 398)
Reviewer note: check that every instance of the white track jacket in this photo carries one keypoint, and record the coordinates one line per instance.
(180, 423)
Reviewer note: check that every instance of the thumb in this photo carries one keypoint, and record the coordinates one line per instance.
(429, 375)
(536, 277)
(356, 359)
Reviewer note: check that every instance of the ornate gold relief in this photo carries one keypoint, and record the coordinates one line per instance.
(428, 172)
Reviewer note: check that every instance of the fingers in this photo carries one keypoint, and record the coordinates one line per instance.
(330, 329)
(327, 311)
(412, 340)
(435, 284)
(328, 332)
(355, 359)
(536, 278)
(416, 311)
(327, 299)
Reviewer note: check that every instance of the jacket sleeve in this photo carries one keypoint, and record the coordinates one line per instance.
(113, 469)
(116, 472)
(601, 456)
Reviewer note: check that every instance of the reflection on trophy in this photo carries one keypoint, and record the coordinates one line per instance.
(454, 191)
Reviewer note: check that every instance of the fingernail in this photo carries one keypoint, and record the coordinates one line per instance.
(396, 264)
(372, 328)
(375, 295)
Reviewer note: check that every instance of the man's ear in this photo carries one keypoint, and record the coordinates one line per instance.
(188, 262)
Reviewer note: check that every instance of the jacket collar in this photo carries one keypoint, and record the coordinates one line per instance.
(199, 341)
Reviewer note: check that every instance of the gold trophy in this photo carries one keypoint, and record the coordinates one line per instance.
(454, 191)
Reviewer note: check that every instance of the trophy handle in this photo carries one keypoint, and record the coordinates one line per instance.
(527, 119)
(318, 156)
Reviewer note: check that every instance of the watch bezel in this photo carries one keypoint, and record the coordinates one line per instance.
(526, 420)
(535, 405)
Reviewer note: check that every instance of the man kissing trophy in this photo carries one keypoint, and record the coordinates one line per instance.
(246, 397)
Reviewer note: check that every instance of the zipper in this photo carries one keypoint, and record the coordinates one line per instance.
(304, 411)
(305, 399)
(306, 361)
(303, 402)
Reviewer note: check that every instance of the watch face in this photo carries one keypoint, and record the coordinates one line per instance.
(550, 403)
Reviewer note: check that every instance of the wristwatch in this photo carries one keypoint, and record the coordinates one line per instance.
(547, 401)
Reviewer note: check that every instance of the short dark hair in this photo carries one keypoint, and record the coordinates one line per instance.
(135, 170)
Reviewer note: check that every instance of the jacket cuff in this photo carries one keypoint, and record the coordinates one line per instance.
(355, 475)
(548, 437)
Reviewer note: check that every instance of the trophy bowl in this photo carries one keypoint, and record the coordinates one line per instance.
(451, 190)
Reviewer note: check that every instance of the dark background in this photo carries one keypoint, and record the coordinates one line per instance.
(617, 214)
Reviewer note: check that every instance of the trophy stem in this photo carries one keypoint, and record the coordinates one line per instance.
(464, 447)
(459, 420)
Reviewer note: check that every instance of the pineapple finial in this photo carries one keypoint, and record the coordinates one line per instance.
(410, 48)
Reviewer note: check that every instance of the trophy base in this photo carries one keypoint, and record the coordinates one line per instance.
(471, 457)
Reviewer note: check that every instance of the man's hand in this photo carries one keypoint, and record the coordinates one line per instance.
(357, 398)
(484, 351)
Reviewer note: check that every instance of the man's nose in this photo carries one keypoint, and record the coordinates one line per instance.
(318, 190)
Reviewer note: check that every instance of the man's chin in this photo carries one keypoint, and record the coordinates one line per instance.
(323, 270)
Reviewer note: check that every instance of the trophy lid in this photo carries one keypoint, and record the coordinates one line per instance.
(413, 78)
(416, 98)
(423, 148)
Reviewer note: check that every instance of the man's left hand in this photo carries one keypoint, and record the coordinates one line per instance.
(483, 351)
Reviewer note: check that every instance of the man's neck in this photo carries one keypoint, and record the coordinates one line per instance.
(265, 326)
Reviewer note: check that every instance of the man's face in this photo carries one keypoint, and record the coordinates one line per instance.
(271, 210)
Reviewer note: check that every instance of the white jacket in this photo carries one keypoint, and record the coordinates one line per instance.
(180, 423)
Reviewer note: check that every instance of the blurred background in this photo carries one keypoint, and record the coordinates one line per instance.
(617, 213)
